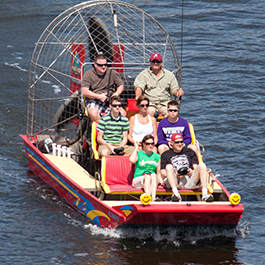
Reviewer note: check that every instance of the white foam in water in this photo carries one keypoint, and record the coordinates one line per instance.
(95, 230)
(15, 65)
(242, 229)
(57, 89)
(171, 234)
(46, 81)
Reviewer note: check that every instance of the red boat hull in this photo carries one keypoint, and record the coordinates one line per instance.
(166, 213)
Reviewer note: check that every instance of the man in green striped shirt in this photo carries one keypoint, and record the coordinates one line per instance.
(113, 130)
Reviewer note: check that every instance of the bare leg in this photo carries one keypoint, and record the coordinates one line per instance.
(203, 174)
(201, 171)
(171, 176)
(147, 183)
(151, 111)
(153, 186)
(103, 150)
(162, 148)
(172, 180)
(94, 114)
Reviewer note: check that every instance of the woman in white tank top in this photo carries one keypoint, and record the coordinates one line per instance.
(142, 124)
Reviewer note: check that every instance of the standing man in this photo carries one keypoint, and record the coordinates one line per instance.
(170, 125)
(175, 160)
(113, 131)
(98, 85)
(158, 84)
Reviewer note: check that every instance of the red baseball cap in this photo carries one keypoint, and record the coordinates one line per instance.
(176, 137)
(156, 56)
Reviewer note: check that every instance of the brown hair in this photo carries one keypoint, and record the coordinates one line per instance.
(115, 98)
(147, 137)
(142, 98)
(99, 56)
(172, 103)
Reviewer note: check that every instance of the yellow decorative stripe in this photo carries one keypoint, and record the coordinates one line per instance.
(192, 134)
(193, 141)
(94, 140)
(52, 175)
(95, 213)
(103, 175)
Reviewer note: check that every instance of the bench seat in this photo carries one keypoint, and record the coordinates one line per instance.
(117, 174)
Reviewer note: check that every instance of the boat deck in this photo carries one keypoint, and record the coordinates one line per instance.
(75, 172)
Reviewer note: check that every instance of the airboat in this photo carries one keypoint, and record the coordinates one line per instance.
(60, 143)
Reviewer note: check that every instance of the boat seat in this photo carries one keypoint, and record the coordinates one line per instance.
(195, 142)
(117, 174)
(94, 140)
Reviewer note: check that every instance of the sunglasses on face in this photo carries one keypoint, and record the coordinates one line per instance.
(149, 143)
(178, 142)
(173, 110)
(144, 105)
(101, 65)
(156, 61)
(116, 105)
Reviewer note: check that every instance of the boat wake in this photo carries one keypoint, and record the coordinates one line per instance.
(15, 65)
(176, 236)
(242, 229)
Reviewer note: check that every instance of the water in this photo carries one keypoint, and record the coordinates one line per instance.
(223, 79)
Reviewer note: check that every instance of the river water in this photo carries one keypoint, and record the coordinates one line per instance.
(223, 80)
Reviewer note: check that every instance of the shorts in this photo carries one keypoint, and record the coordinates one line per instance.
(138, 182)
(158, 107)
(188, 182)
(102, 107)
(128, 149)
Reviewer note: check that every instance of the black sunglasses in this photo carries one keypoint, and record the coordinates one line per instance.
(178, 142)
(116, 105)
(101, 65)
(173, 110)
(149, 143)
(144, 105)
(156, 61)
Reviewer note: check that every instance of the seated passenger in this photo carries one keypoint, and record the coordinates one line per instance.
(147, 166)
(170, 125)
(142, 124)
(98, 85)
(182, 169)
(113, 130)
(158, 84)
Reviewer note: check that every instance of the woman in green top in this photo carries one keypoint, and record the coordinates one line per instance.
(147, 166)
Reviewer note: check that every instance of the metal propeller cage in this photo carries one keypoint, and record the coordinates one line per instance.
(117, 29)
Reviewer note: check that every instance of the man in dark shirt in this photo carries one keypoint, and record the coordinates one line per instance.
(172, 163)
(98, 85)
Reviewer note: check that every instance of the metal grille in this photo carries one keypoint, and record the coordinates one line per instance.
(136, 35)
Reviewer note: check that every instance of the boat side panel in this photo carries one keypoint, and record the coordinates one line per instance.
(76, 196)
(176, 214)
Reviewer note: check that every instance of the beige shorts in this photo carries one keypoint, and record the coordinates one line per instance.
(128, 149)
(138, 182)
(158, 107)
(188, 182)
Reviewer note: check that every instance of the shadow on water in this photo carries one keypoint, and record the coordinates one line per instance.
(172, 245)
(219, 250)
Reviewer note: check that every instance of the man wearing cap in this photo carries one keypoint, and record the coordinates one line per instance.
(158, 84)
(173, 164)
